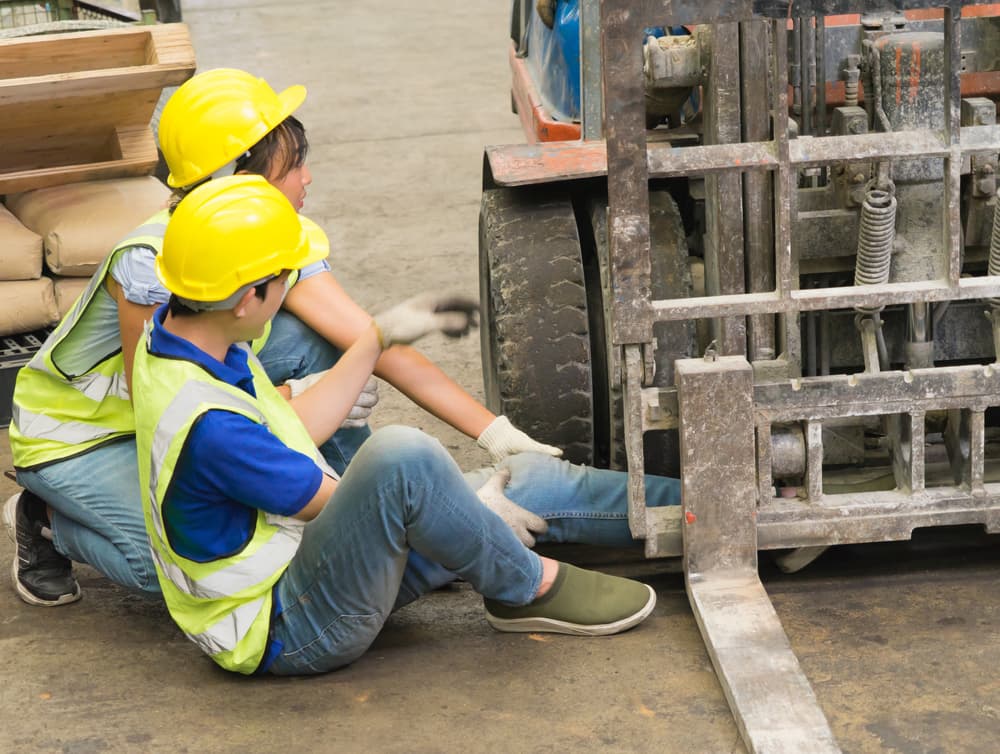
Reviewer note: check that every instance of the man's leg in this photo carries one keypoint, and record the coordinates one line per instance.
(402, 491)
(581, 504)
(97, 513)
(292, 351)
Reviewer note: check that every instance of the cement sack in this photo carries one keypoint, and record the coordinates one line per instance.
(81, 222)
(68, 290)
(20, 249)
(27, 305)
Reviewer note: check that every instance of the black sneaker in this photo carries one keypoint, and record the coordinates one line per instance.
(41, 576)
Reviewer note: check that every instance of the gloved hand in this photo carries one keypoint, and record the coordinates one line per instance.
(362, 408)
(426, 313)
(522, 522)
(360, 411)
(299, 386)
(503, 439)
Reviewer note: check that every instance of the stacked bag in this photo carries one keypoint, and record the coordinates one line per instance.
(53, 239)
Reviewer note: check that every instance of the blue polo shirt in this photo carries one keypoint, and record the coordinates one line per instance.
(229, 467)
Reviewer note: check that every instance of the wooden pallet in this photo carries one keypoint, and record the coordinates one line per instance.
(77, 106)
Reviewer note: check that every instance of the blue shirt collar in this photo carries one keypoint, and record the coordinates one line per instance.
(234, 370)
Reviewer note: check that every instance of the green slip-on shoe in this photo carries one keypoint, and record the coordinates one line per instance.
(580, 603)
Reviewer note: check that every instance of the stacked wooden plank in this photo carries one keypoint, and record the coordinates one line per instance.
(76, 155)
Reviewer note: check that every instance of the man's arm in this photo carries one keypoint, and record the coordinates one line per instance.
(325, 306)
(319, 501)
(131, 319)
(324, 406)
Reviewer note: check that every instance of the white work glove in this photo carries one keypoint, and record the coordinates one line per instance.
(363, 405)
(502, 439)
(424, 314)
(362, 408)
(522, 522)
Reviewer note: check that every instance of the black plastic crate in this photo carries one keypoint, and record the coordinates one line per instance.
(15, 352)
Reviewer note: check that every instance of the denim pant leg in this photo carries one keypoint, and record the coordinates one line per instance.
(581, 504)
(402, 491)
(292, 351)
(97, 513)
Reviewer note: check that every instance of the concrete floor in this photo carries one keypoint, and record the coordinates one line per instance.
(900, 641)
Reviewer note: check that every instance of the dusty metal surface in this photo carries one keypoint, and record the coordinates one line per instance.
(771, 699)
(734, 478)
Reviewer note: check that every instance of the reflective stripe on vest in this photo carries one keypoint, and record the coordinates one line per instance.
(246, 573)
(224, 605)
(230, 631)
(56, 414)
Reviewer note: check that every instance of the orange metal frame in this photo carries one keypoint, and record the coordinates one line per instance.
(535, 120)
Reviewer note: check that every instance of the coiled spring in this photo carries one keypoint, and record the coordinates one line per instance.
(878, 231)
(994, 266)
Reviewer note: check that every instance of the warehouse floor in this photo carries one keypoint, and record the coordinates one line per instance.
(900, 641)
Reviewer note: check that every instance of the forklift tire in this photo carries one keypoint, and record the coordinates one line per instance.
(669, 279)
(535, 332)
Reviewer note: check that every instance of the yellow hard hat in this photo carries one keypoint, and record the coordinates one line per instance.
(216, 116)
(231, 233)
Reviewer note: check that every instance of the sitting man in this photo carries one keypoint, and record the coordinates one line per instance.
(269, 562)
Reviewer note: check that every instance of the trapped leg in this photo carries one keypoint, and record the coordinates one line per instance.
(581, 504)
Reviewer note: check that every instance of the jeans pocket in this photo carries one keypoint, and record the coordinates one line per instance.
(340, 643)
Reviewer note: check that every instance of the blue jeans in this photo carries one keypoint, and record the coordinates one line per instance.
(97, 516)
(97, 511)
(294, 350)
(405, 520)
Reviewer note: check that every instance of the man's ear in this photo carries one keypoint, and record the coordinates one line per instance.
(241, 310)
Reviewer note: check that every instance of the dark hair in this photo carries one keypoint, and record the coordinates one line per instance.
(281, 150)
(177, 308)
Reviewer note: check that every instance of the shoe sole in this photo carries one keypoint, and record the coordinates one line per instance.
(551, 625)
(31, 599)
(9, 513)
(9, 522)
(799, 558)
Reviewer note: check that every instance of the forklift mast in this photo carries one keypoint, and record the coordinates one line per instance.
(762, 254)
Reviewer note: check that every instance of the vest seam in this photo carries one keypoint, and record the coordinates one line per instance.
(106, 267)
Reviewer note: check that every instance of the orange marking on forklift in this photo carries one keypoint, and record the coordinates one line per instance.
(915, 73)
(690, 517)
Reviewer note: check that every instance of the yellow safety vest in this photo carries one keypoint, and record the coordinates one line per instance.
(57, 414)
(224, 606)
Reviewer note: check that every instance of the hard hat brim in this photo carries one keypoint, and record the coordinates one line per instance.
(318, 245)
(291, 99)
